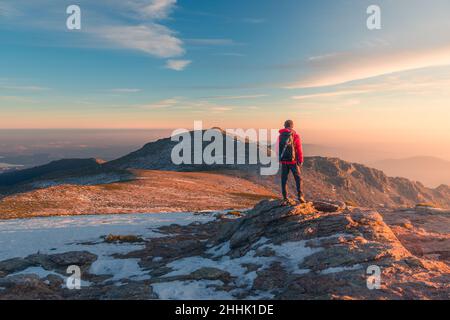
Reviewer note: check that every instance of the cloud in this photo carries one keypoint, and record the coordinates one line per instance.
(230, 54)
(160, 104)
(148, 36)
(221, 109)
(253, 20)
(213, 42)
(127, 24)
(124, 90)
(330, 94)
(177, 65)
(194, 105)
(158, 9)
(18, 99)
(153, 39)
(252, 96)
(413, 84)
(6, 10)
(24, 88)
(339, 68)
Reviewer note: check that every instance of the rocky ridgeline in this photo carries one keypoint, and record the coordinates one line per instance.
(318, 250)
(323, 176)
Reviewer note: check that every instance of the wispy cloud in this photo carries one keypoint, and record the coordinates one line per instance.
(160, 104)
(230, 54)
(254, 20)
(177, 65)
(135, 25)
(18, 99)
(24, 88)
(330, 94)
(149, 36)
(153, 39)
(411, 84)
(250, 96)
(124, 90)
(183, 103)
(334, 69)
(7, 10)
(221, 109)
(156, 9)
(210, 42)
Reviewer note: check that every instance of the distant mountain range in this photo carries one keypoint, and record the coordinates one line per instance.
(431, 171)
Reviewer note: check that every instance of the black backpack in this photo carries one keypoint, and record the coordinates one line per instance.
(286, 147)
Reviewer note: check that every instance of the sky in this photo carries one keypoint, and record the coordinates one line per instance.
(233, 64)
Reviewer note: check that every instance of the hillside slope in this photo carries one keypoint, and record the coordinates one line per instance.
(65, 171)
(149, 191)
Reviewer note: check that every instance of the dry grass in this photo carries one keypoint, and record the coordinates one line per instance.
(351, 203)
(152, 192)
(235, 213)
(252, 196)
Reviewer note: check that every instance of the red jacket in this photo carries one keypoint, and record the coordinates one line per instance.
(298, 147)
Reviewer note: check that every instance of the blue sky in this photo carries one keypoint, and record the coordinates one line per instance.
(252, 63)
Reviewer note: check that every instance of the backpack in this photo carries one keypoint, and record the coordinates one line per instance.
(286, 147)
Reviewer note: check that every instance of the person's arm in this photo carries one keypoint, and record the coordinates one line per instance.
(299, 150)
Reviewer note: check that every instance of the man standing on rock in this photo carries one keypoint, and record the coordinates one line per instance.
(291, 158)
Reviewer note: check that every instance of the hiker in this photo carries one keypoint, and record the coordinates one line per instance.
(291, 158)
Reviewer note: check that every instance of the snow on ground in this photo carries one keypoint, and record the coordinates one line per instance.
(49, 235)
(191, 290)
(340, 269)
(42, 273)
(120, 268)
(22, 237)
(38, 271)
(290, 254)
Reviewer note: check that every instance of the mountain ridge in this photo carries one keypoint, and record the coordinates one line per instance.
(323, 177)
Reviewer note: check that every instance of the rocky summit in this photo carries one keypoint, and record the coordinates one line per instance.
(318, 250)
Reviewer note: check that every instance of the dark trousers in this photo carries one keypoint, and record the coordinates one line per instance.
(295, 169)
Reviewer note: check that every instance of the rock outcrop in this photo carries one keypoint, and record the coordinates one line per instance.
(321, 250)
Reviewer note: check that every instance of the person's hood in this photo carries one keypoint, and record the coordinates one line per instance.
(284, 130)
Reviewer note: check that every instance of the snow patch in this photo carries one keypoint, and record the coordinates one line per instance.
(340, 269)
(119, 269)
(51, 235)
(191, 290)
(22, 237)
(38, 271)
(43, 273)
(289, 254)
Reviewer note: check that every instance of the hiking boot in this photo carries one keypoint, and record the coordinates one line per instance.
(301, 199)
(285, 202)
